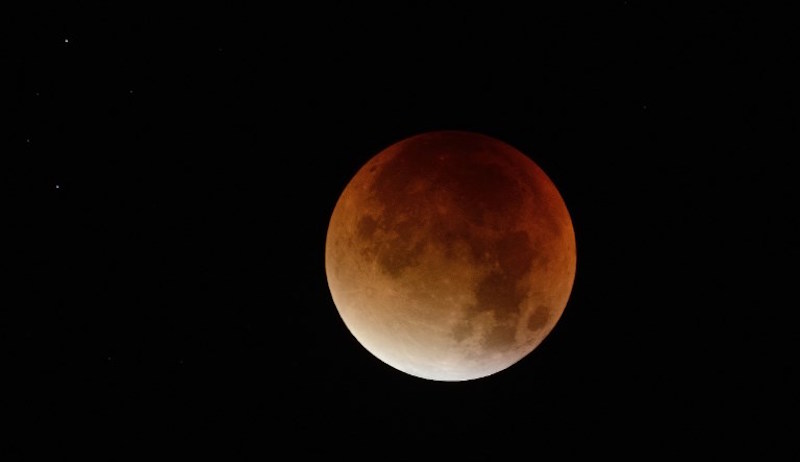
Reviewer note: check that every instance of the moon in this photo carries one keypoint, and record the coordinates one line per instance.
(450, 255)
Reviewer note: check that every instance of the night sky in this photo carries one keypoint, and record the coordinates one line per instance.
(170, 174)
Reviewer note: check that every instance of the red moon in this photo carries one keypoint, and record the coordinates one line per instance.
(450, 255)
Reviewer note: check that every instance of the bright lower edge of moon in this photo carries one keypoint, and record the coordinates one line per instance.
(450, 256)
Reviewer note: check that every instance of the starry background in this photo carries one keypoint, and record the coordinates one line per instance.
(170, 174)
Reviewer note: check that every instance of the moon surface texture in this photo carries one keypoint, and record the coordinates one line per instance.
(450, 255)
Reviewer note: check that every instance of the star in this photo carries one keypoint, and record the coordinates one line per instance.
(58, 186)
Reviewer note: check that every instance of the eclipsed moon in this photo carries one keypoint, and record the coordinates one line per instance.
(450, 255)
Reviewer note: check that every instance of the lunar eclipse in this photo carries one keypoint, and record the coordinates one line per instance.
(450, 255)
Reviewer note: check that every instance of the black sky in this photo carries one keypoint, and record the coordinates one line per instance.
(170, 174)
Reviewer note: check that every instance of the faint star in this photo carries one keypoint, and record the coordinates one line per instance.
(58, 186)
(27, 140)
(66, 40)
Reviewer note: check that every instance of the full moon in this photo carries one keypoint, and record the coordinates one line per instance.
(450, 255)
